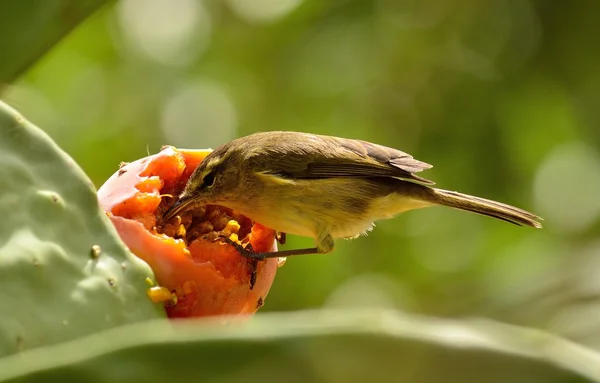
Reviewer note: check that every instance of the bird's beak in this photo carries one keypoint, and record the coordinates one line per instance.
(181, 205)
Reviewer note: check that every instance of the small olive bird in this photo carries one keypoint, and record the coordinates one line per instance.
(320, 186)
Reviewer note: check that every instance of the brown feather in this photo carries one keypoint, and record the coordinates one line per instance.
(304, 156)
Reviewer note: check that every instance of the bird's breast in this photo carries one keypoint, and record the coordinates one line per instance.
(342, 207)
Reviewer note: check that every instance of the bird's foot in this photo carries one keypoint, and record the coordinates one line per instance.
(246, 252)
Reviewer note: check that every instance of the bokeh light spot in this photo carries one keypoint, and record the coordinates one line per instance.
(263, 11)
(567, 187)
(200, 114)
(169, 32)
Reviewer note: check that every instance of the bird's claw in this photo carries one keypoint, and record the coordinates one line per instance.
(246, 252)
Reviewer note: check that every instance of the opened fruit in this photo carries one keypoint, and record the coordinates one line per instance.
(197, 272)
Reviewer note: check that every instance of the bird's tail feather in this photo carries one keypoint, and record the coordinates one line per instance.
(485, 207)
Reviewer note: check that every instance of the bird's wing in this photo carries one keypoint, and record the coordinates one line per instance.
(328, 157)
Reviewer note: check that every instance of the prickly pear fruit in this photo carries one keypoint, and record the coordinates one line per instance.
(64, 272)
(197, 273)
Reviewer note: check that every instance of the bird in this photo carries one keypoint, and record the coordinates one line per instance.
(321, 186)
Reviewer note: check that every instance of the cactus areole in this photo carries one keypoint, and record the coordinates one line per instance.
(197, 274)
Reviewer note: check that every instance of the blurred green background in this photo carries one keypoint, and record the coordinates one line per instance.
(501, 97)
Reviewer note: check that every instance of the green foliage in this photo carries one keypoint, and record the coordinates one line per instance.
(325, 346)
(31, 27)
(64, 272)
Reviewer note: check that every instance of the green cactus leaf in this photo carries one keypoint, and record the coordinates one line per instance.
(31, 27)
(64, 272)
(317, 346)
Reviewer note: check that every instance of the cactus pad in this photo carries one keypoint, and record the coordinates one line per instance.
(64, 272)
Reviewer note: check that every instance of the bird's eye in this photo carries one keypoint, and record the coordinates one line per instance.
(208, 179)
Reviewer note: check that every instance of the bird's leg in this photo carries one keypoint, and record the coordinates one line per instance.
(325, 245)
(285, 253)
(247, 252)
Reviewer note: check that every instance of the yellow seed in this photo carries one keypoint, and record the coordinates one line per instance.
(234, 237)
(181, 231)
(159, 294)
(232, 227)
(95, 252)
